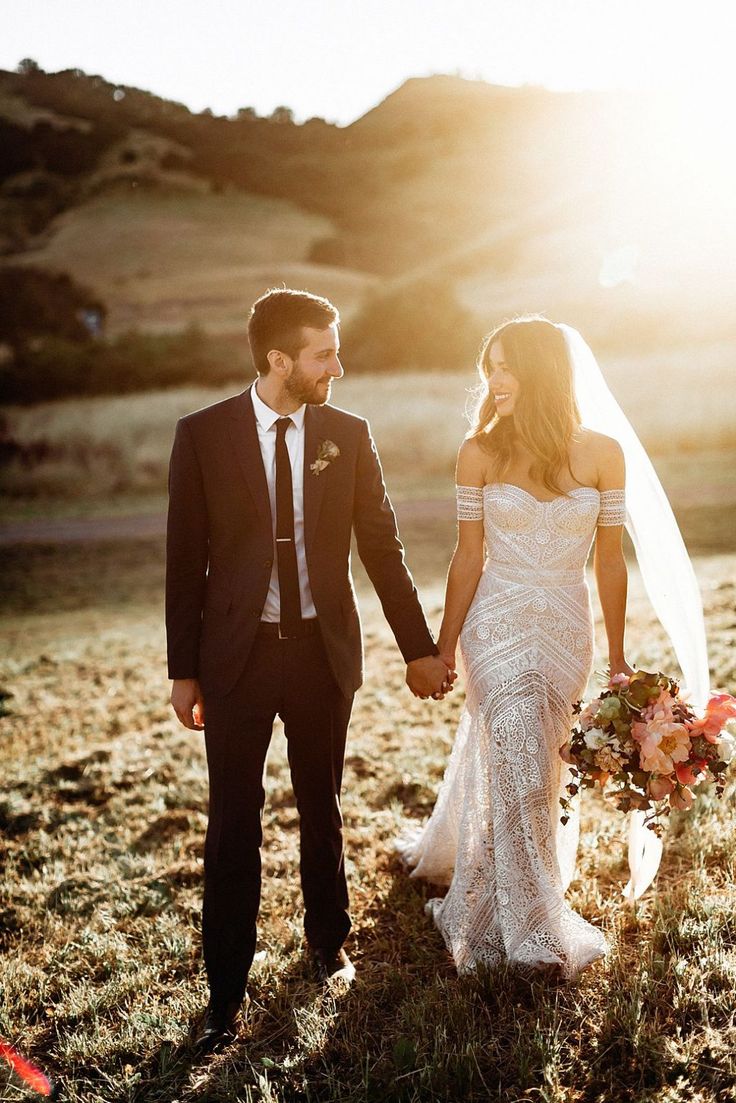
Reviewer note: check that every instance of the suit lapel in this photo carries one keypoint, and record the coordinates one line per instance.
(244, 439)
(314, 485)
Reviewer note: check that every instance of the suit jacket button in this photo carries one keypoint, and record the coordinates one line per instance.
(255, 612)
(268, 563)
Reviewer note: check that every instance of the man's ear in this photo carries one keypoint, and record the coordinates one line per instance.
(279, 362)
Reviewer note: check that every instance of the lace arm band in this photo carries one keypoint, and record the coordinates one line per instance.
(613, 508)
(470, 503)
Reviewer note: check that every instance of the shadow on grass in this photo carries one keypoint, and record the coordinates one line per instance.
(166, 1074)
(305, 1040)
(409, 1029)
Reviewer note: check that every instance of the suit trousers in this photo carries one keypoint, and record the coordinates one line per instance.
(291, 679)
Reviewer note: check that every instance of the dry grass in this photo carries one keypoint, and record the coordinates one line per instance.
(162, 260)
(104, 812)
(118, 445)
(21, 113)
(122, 443)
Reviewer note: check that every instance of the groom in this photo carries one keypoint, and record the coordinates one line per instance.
(266, 489)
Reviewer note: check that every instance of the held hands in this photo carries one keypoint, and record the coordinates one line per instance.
(430, 676)
(186, 700)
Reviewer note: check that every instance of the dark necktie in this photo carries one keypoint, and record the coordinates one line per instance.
(291, 610)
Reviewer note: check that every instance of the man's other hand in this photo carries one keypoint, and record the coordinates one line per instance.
(187, 703)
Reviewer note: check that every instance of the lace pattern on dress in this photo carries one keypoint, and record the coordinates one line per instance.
(495, 836)
(613, 508)
(469, 503)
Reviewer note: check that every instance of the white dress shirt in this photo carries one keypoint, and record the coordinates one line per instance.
(266, 419)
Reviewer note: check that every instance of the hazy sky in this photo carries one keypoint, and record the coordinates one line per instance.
(337, 58)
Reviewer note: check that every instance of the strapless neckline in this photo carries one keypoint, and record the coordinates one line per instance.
(544, 501)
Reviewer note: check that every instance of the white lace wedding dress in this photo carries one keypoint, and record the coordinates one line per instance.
(495, 835)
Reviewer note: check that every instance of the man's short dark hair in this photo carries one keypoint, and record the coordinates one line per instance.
(277, 321)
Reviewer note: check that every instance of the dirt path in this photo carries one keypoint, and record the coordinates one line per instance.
(143, 526)
(82, 529)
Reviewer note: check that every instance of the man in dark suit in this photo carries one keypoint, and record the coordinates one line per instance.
(266, 489)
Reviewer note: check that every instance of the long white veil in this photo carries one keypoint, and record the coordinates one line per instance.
(665, 566)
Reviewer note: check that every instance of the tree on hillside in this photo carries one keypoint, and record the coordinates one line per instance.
(415, 325)
(36, 303)
(28, 65)
(281, 114)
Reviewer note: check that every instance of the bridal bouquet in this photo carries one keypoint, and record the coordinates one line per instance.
(641, 735)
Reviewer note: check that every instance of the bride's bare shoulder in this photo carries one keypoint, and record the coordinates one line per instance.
(606, 453)
(471, 463)
(598, 444)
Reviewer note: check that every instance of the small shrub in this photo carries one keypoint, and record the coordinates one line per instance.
(54, 367)
(412, 325)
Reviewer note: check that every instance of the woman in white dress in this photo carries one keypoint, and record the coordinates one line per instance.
(535, 487)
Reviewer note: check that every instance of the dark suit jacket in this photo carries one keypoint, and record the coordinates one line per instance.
(220, 544)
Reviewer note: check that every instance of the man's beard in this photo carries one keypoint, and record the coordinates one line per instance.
(313, 392)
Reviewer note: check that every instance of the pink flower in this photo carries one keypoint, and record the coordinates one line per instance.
(660, 787)
(725, 703)
(720, 709)
(588, 714)
(664, 743)
(639, 731)
(566, 754)
(619, 680)
(660, 709)
(681, 799)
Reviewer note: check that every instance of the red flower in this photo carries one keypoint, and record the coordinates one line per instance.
(687, 772)
(720, 709)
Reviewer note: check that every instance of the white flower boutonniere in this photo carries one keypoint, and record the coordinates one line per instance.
(326, 453)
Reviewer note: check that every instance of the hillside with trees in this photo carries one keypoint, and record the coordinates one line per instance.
(481, 200)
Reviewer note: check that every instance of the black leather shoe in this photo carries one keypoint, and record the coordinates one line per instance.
(333, 965)
(218, 1028)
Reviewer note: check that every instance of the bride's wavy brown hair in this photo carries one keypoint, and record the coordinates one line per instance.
(545, 413)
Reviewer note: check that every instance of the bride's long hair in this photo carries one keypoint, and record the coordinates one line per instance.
(545, 413)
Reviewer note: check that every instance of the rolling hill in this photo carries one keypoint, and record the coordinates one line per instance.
(165, 258)
(512, 199)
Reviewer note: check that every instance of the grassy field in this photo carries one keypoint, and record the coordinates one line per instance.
(122, 443)
(109, 455)
(103, 810)
(112, 447)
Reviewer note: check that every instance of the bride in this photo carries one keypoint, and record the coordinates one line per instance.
(535, 488)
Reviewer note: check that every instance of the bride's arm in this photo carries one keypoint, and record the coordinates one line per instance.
(609, 562)
(467, 560)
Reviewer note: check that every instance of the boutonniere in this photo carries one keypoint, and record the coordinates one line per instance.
(326, 453)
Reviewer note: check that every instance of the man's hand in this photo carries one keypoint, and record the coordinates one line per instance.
(429, 677)
(186, 700)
